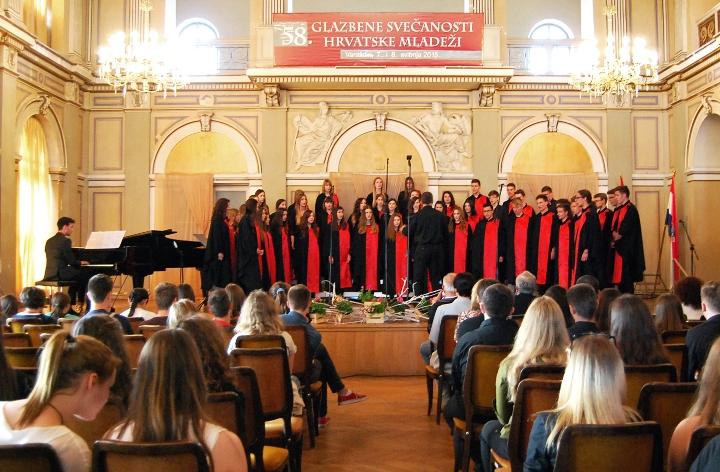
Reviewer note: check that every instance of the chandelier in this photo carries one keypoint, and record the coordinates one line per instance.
(142, 63)
(622, 72)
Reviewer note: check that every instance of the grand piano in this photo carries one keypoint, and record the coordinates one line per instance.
(142, 254)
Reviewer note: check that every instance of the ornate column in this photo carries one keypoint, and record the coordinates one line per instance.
(13, 9)
(270, 7)
(484, 6)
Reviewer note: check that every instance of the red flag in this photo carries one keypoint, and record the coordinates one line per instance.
(671, 221)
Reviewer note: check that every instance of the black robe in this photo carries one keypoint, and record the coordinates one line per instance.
(300, 257)
(590, 239)
(325, 238)
(535, 240)
(276, 231)
(556, 263)
(403, 200)
(630, 246)
(478, 248)
(604, 246)
(357, 252)
(248, 274)
(217, 273)
(450, 258)
(509, 233)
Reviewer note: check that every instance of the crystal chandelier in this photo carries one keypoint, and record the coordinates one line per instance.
(143, 64)
(624, 70)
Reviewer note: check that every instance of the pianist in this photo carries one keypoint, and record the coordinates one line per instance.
(61, 263)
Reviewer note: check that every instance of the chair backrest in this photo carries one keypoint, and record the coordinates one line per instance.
(22, 356)
(66, 324)
(674, 337)
(667, 404)
(227, 334)
(253, 427)
(446, 339)
(134, 344)
(16, 340)
(34, 330)
(29, 457)
(302, 365)
(637, 376)
(542, 372)
(260, 341)
(92, 431)
(699, 440)
(135, 323)
(16, 326)
(533, 396)
(678, 358)
(226, 410)
(635, 447)
(149, 330)
(479, 384)
(111, 456)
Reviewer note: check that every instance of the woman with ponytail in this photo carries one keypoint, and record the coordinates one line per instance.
(74, 380)
(138, 300)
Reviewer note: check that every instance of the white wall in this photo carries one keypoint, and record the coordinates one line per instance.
(523, 14)
(230, 17)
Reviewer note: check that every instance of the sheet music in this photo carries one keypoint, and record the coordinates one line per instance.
(105, 239)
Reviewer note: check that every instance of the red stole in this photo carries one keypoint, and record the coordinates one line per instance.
(617, 220)
(460, 250)
(527, 210)
(579, 223)
(287, 272)
(233, 249)
(344, 243)
(258, 236)
(490, 249)
(329, 217)
(371, 255)
(400, 261)
(313, 262)
(270, 257)
(473, 220)
(480, 202)
(449, 211)
(545, 231)
(520, 242)
(602, 216)
(563, 254)
(336, 200)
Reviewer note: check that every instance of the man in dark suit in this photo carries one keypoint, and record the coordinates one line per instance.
(582, 300)
(428, 229)
(701, 338)
(61, 263)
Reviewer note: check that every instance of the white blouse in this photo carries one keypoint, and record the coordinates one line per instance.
(140, 313)
(211, 432)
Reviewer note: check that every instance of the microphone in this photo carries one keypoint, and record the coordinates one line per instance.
(501, 186)
(409, 158)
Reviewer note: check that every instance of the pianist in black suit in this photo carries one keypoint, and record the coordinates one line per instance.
(61, 263)
(216, 268)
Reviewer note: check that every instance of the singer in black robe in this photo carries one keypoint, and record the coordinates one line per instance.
(586, 237)
(367, 252)
(543, 238)
(281, 244)
(518, 230)
(325, 223)
(250, 271)
(627, 256)
(216, 269)
(488, 246)
(605, 217)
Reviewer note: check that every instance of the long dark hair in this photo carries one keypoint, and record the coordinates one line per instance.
(304, 223)
(58, 303)
(356, 216)
(602, 312)
(137, 296)
(211, 347)
(452, 199)
(635, 334)
(220, 208)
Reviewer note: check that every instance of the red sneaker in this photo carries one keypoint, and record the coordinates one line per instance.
(351, 397)
(323, 421)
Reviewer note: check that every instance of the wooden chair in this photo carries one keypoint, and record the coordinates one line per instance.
(260, 457)
(698, 441)
(16, 326)
(16, 340)
(674, 337)
(227, 334)
(637, 376)
(135, 323)
(635, 447)
(678, 358)
(22, 356)
(478, 392)
(111, 456)
(226, 409)
(445, 347)
(148, 330)
(273, 374)
(29, 457)
(667, 404)
(34, 331)
(134, 344)
(94, 430)
(66, 324)
(542, 372)
(302, 369)
(260, 341)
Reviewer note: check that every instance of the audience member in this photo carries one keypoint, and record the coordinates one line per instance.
(279, 291)
(109, 332)
(60, 307)
(559, 294)
(138, 300)
(602, 312)
(541, 339)
(462, 285)
(14, 384)
(705, 411)
(709, 457)
(170, 359)
(669, 313)
(592, 392)
(635, 335)
(237, 297)
(100, 295)
(591, 280)
(74, 380)
(211, 347)
(179, 311)
(700, 338)
(186, 291)
(9, 307)
(33, 299)
(219, 307)
(446, 295)
(688, 291)
(165, 295)
(471, 319)
(582, 299)
(525, 289)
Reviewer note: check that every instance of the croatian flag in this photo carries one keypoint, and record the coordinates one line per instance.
(671, 221)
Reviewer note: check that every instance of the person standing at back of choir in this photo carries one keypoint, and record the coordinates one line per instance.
(328, 191)
(429, 233)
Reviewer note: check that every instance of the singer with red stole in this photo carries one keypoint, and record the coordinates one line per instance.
(477, 201)
(562, 251)
(471, 217)
(627, 255)
(396, 235)
(325, 224)
(605, 216)
(544, 233)
(342, 245)
(459, 243)
(307, 252)
(250, 250)
(328, 191)
(517, 233)
(586, 238)
(488, 246)
(367, 253)
(269, 267)
(281, 244)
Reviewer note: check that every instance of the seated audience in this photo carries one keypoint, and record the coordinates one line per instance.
(541, 339)
(497, 329)
(525, 288)
(74, 379)
(688, 291)
(237, 298)
(559, 294)
(60, 307)
(211, 347)
(669, 313)
(299, 300)
(705, 411)
(592, 392)
(582, 300)
(186, 291)
(109, 332)
(700, 338)
(169, 359)
(100, 295)
(709, 457)
(138, 300)
(471, 319)
(446, 295)
(591, 280)
(602, 312)
(219, 307)
(635, 335)
(33, 299)
(9, 307)
(461, 288)
(14, 384)
(165, 295)
(179, 311)
(279, 291)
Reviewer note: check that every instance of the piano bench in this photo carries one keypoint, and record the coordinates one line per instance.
(55, 285)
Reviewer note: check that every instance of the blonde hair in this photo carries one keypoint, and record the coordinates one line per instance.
(593, 387)
(259, 315)
(707, 403)
(477, 292)
(541, 339)
(179, 311)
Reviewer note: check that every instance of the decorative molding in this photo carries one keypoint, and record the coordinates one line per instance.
(651, 179)
(703, 175)
(205, 122)
(44, 105)
(272, 95)
(552, 122)
(487, 95)
(380, 118)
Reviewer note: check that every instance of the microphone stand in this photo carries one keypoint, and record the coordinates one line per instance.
(330, 277)
(384, 222)
(410, 287)
(693, 252)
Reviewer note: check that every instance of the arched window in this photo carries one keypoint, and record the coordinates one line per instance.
(552, 53)
(198, 37)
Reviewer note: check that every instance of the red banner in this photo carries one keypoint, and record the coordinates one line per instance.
(390, 39)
